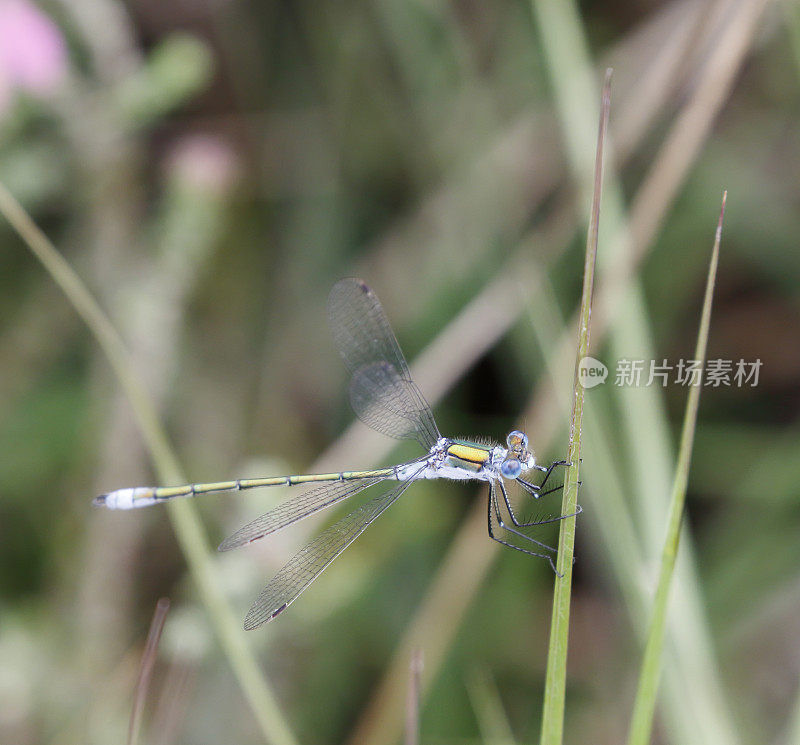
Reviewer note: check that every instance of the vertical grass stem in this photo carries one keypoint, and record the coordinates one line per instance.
(645, 702)
(556, 677)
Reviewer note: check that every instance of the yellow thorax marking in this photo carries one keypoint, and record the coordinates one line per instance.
(467, 453)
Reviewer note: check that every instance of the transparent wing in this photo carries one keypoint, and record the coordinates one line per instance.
(382, 392)
(381, 400)
(300, 506)
(305, 566)
(360, 327)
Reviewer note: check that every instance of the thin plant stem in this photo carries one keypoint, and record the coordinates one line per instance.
(146, 671)
(413, 697)
(556, 676)
(645, 702)
(493, 724)
(185, 521)
(693, 668)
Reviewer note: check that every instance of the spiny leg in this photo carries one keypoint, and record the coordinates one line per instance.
(536, 489)
(533, 523)
(493, 506)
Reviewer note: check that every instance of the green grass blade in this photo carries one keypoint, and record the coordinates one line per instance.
(792, 733)
(186, 523)
(556, 677)
(644, 705)
(693, 670)
(487, 706)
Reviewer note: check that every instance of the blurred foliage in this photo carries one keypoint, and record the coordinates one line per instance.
(210, 170)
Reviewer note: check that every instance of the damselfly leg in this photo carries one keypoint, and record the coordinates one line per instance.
(517, 526)
(537, 490)
(495, 522)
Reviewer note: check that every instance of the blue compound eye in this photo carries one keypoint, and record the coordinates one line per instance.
(511, 468)
(517, 440)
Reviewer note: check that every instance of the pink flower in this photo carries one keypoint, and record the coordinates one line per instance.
(33, 55)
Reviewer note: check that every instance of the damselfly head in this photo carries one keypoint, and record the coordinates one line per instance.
(519, 458)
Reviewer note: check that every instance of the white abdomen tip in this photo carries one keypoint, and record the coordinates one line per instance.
(127, 499)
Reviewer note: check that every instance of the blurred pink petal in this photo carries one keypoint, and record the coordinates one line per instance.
(206, 161)
(33, 55)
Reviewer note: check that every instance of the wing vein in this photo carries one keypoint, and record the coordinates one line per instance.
(308, 563)
(382, 392)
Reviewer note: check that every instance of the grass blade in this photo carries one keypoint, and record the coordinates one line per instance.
(556, 677)
(146, 671)
(487, 706)
(185, 521)
(696, 706)
(644, 705)
(412, 700)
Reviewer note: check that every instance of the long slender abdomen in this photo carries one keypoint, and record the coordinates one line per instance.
(145, 496)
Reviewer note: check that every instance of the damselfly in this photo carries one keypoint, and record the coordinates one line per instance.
(385, 397)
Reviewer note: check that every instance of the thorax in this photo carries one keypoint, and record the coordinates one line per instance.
(465, 459)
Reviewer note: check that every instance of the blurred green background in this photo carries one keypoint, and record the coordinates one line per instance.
(211, 169)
